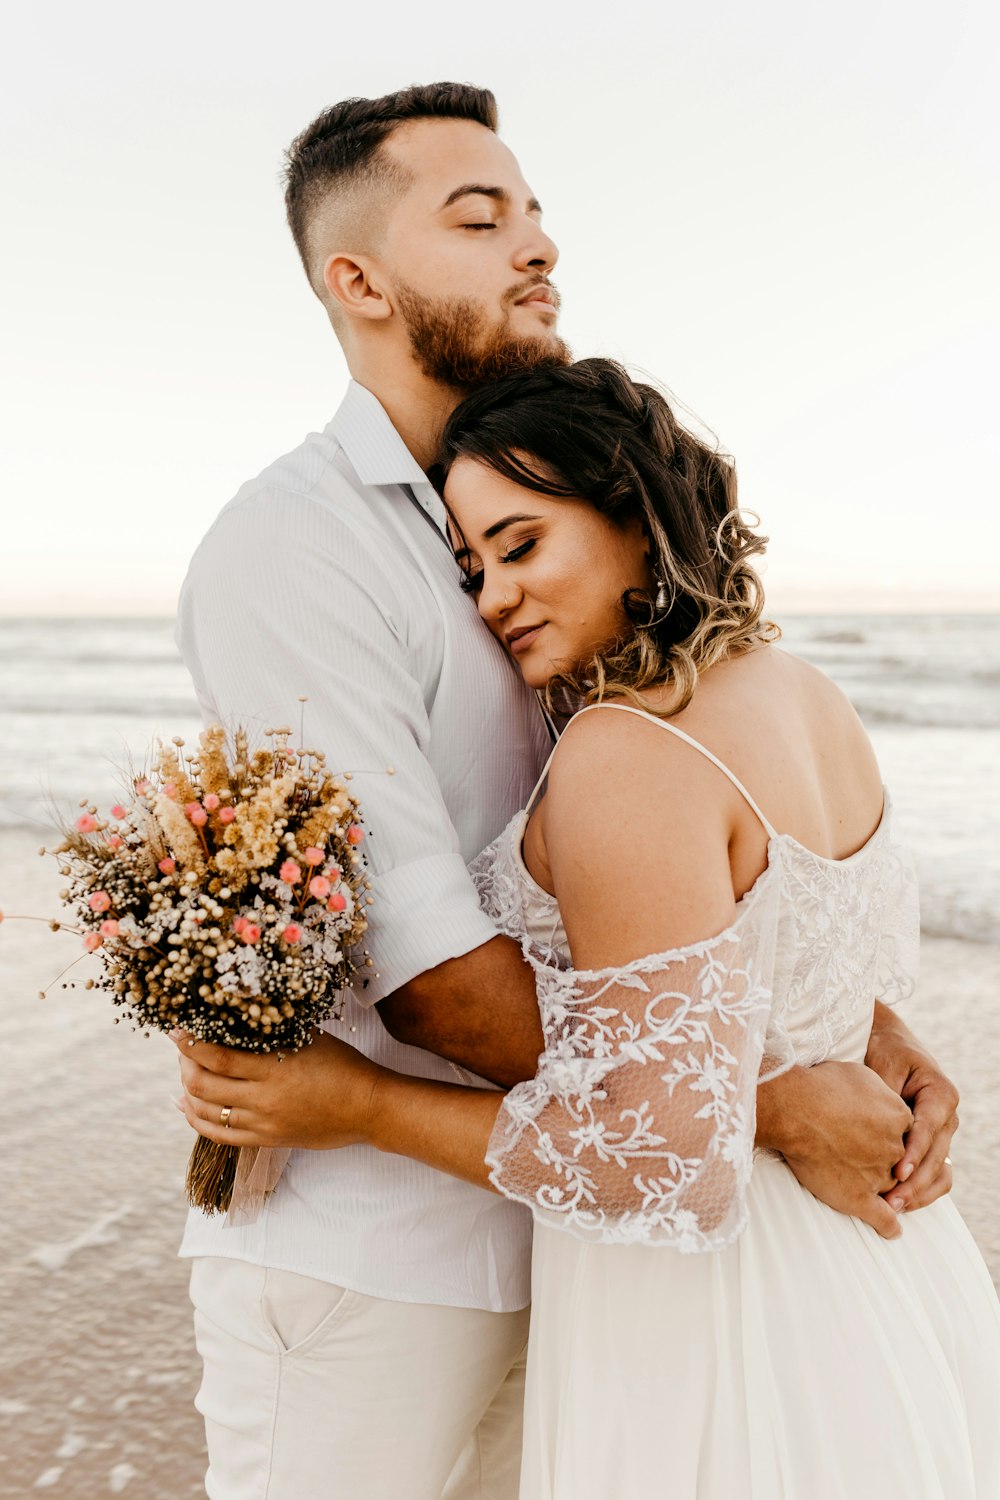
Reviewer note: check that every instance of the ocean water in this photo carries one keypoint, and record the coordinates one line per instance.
(80, 697)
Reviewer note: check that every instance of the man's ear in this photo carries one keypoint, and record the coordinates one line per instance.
(355, 287)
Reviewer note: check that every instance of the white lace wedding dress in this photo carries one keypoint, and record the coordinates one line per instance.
(798, 1356)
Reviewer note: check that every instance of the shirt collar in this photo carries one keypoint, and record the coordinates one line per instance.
(374, 447)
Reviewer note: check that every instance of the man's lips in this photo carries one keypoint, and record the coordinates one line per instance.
(539, 294)
(524, 636)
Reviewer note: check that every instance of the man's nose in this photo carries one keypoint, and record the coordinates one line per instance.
(537, 252)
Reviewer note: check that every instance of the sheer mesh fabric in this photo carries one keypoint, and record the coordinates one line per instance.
(639, 1125)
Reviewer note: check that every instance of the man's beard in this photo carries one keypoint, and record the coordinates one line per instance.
(453, 342)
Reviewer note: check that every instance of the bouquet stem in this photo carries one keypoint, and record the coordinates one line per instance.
(211, 1175)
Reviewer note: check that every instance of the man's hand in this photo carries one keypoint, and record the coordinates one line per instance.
(314, 1099)
(841, 1130)
(923, 1173)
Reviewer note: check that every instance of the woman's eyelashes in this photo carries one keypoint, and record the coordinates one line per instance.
(472, 579)
(520, 551)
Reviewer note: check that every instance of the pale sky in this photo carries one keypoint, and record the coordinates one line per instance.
(785, 212)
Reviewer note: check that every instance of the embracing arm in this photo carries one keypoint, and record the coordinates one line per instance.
(479, 1010)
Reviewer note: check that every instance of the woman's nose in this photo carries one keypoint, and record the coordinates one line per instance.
(496, 598)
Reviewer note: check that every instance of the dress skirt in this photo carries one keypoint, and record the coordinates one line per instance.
(810, 1360)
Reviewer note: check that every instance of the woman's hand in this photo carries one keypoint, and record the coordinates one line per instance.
(923, 1173)
(316, 1099)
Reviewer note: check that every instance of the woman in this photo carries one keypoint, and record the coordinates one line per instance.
(710, 891)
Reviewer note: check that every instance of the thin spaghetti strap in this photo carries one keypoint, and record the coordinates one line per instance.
(625, 708)
(545, 771)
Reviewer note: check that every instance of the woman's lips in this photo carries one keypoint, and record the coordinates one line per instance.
(521, 640)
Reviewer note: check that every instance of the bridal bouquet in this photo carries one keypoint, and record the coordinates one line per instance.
(227, 898)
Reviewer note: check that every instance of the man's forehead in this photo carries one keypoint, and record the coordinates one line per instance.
(442, 155)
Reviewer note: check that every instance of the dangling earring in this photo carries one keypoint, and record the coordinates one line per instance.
(662, 603)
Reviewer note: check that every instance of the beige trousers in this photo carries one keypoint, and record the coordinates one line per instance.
(311, 1392)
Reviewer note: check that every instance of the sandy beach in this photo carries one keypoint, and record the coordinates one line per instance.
(97, 1366)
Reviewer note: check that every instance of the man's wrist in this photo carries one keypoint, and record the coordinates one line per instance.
(782, 1111)
(373, 1116)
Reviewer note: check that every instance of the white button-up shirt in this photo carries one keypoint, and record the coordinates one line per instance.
(323, 578)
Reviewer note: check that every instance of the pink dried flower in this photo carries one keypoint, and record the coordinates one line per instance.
(334, 873)
(336, 902)
(290, 872)
(93, 941)
(118, 811)
(238, 924)
(319, 887)
(292, 933)
(114, 842)
(250, 933)
(196, 813)
(100, 901)
(170, 790)
(314, 856)
(141, 785)
(109, 928)
(211, 801)
(227, 815)
(86, 823)
(167, 866)
(355, 833)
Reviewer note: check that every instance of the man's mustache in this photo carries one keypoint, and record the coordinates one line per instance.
(519, 293)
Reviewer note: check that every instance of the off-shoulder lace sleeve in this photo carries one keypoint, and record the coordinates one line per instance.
(639, 1125)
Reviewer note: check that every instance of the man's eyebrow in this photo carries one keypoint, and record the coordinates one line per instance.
(499, 526)
(483, 190)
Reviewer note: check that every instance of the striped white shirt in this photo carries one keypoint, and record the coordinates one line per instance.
(323, 578)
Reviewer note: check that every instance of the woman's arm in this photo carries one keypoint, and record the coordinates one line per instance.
(331, 1097)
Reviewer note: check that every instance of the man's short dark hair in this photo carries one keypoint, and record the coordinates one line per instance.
(344, 143)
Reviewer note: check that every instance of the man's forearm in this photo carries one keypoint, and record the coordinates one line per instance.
(479, 1010)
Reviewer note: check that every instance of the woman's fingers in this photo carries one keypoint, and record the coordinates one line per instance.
(207, 1121)
(226, 1062)
(212, 1088)
(931, 1180)
(934, 1100)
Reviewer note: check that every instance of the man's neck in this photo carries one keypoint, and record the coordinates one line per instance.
(416, 406)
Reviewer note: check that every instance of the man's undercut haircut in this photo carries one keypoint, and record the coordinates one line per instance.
(338, 165)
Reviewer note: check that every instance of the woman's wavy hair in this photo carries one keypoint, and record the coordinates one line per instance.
(587, 431)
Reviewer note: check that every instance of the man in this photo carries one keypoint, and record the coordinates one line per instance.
(364, 1339)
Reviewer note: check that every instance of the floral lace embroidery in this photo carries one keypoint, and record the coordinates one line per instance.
(639, 1125)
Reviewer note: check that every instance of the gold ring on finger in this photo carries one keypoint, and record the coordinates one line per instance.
(224, 1114)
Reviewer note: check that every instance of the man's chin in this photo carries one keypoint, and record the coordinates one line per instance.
(516, 357)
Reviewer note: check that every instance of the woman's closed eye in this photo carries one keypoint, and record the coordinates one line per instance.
(472, 579)
(519, 551)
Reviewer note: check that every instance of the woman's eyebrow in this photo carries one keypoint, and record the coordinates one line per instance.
(499, 526)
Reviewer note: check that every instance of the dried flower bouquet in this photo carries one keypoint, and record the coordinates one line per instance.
(227, 898)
